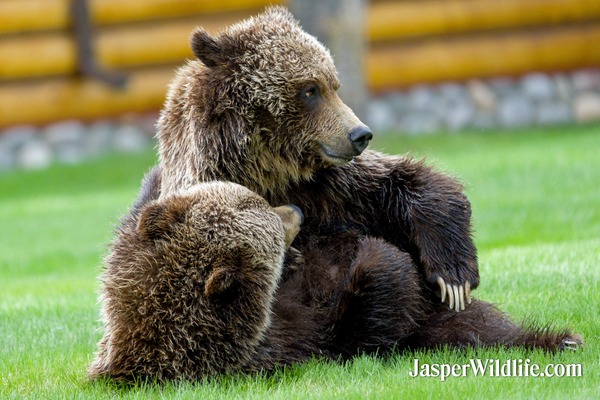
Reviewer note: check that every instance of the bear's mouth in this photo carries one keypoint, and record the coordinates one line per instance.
(334, 157)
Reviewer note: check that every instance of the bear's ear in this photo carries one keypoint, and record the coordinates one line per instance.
(219, 281)
(158, 218)
(207, 48)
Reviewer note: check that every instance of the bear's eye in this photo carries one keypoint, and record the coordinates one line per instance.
(310, 93)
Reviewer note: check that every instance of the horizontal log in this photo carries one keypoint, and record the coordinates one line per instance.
(121, 47)
(157, 43)
(17, 16)
(391, 66)
(483, 56)
(408, 19)
(396, 64)
(118, 11)
(385, 20)
(57, 99)
(33, 56)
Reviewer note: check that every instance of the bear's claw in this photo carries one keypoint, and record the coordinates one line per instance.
(572, 342)
(458, 295)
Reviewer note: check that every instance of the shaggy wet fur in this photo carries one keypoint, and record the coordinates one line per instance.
(200, 284)
(189, 283)
(374, 301)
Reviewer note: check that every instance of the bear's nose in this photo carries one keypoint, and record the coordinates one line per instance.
(359, 137)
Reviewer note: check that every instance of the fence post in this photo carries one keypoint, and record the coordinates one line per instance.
(341, 26)
(86, 57)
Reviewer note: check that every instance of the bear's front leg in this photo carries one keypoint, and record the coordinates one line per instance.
(426, 213)
(441, 232)
(410, 205)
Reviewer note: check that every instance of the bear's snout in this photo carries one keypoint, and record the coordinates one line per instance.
(359, 138)
(342, 147)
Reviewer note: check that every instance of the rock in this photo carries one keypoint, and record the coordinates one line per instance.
(450, 90)
(458, 114)
(454, 106)
(130, 139)
(11, 140)
(421, 98)
(564, 88)
(35, 154)
(482, 96)
(381, 116)
(67, 140)
(553, 112)
(17, 136)
(586, 80)
(99, 137)
(538, 86)
(502, 86)
(399, 102)
(67, 131)
(515, 110)
(586, 107)
(420, 122)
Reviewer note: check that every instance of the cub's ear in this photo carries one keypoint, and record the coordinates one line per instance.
(157, 218)
(207, 48)
(219, 281)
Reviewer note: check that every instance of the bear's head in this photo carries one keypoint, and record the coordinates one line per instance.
(259, 107)
(188, 290)
(226, 232)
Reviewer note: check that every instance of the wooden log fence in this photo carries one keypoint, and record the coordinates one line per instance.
(485, 55)
(410, 42)
(18, 16)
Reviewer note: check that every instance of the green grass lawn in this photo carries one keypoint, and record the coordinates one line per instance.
(536, 210)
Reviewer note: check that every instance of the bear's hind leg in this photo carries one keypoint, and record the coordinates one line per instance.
(378, 303)
(482, 324)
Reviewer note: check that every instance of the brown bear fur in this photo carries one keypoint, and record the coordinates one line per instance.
(374, 301)
(259, 107)
(188, 286)
(193, 288)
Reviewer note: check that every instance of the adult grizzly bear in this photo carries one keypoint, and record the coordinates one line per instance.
(192, 288)
(259, 107)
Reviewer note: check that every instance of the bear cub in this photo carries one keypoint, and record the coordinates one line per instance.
(189, 283)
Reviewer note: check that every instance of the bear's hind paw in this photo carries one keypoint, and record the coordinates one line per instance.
(572, 342)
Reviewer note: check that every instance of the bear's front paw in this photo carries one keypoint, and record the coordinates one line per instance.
(458, 295)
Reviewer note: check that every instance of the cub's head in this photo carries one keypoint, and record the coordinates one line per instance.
(224, 233)
(261, 94)
(189, 283)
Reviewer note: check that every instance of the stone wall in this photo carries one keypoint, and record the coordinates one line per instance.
(533, 100)
(70, 142)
